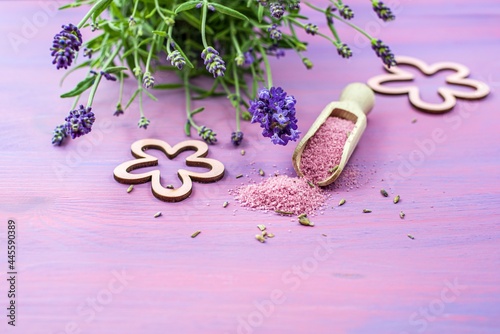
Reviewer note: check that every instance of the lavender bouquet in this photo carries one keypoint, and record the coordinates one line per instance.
(227, 40)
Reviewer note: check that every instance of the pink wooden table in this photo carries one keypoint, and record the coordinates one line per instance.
(92, 259)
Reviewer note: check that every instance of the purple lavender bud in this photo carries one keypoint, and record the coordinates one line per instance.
(108, 76)
(176, 59)
(383, 12)
(273, 50)
(207, 135)
(249, 59)
(344, 51)
(277, 10)
(211, 8)
(214, 63)
(65, 45)
(79, 122)
(311, 29)
(87, 53)
(58, 135)
(383, 52)
(143, 123)
(148, 81)
(294, 5)
(274, 32)
(119, 110)
(346, 12)
(199, 4)
(275, 111)
(236, 138)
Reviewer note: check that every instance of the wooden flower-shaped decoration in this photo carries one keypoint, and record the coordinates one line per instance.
(122, 172)
(449, 95)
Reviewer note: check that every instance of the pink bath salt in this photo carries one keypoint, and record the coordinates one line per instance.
(324, 150)
(284, 193)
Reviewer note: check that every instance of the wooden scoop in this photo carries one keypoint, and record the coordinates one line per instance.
(356, 101)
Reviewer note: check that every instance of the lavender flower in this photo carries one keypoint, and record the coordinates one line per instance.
(263, 3)
(148, 80)
(275, 111)
(249, 59)
(79, 122)
(274, 32)
(236, 138)
(214, 63)
(273, 50)
(176, 59)
(383, 52)
(58, 135)
(311, 29)
(119, 110)
(108, 76)
(277, 10)
(346, 12)
(87, 53)
(143, 122)
(207, 135)
(344, 51)
(294, 5)
(383, 11)
(65, 45)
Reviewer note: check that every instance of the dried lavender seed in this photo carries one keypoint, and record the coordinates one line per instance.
(158, 214)
(342, 202)
(195, 234)
(396, 199)
(270, 235)
(239, 176)
(414, 120)
(261, 172)
(303, 220)
(384, 193)
(411, 237)
(264, 233)
(260, 238)
(402, 215)
(130, 188)
(261, 227)
(334, 169)
(242, 152)
(226, 203)
(169, 186)
(311, 184)
(283, 212)
(366, 211)
(323, 234)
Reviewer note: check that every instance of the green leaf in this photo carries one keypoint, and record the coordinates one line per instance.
(187, 128)
(186, 6)
(195, 22)
(70, 5)
(99, 8)
(132, 98)
(116, 69)
(160, 33)
(74, 69)
(260, 13)
(229, 11)
(197, 110)
(168, 86)
(80, 87)
(151, 96)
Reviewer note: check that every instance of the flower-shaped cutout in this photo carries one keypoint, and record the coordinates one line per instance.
(122, 172)
(449, 95)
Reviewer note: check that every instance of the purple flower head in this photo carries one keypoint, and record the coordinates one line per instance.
(64, 46)
(383, 52)
(383, 12)
(344, 51)
(79, 122)
(277, 10)
(274, 32)
(294, 5)
(176, 59)
(148, 80)
(108, 76)
(207, 134)
(143, 123)
(273, 50)
(214, 63)
(275, 111)
(236, 138)
(87, 53)
(249, 59)
(58, 135)
(346, 12)
(311, 29)
(119, 110)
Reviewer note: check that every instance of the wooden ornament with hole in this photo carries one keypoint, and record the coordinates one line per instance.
(356, 101)
(122, 172)
(449, 95)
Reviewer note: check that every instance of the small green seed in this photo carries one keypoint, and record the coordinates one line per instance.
(261, 172)
(342, 202)
(366, 211)
(411, 237)
(396, 199)
(334, 169)
(384, 193)
(130, 188)
(242, 152)
(195, 234)
(158, 214)
(226, 203)
(303, 220)
(402, 215)
(261, 227)
(169, 186)
(260, 238)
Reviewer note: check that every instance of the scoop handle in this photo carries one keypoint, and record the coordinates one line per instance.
(360, 94)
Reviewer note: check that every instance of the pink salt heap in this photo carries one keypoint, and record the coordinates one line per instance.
(324, 150)
(282, 193)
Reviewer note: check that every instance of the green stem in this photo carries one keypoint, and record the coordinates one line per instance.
(87, 16)
(169, 38)
(99, 75)
(188, 101)
(233, 37)
(120, 94)
(237, 95)
(140, 89)
(135, 8)
(203, 23)
(158, 9)
(148, 61)
(76, 102)
(268, 66)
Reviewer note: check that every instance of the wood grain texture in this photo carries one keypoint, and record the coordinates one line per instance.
(79, 229)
